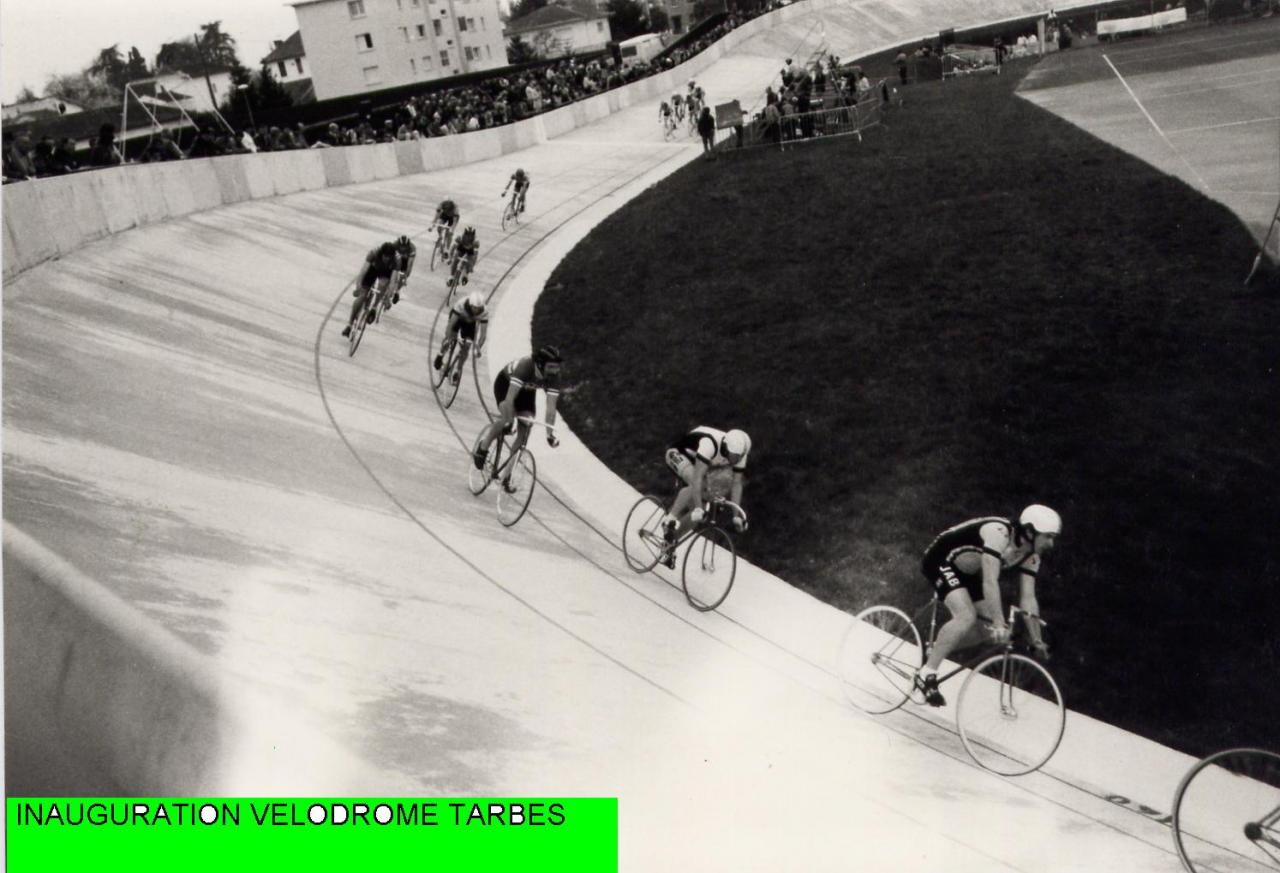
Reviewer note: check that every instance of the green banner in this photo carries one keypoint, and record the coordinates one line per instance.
(221, 834)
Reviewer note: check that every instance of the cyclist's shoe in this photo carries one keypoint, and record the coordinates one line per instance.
(508, 487)
(438, 362)
(479, 456)
(395, 298)
(456, 377)
(668, 558)
(373, 314)
(464, 280)
(346, 331)
(669, 528)
(927, 684)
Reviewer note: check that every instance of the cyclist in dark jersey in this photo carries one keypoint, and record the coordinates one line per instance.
(964, 564)
(379, 265)
(701, 459)
(516, 389)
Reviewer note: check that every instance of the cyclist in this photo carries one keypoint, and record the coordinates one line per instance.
(677, 106)
(469, 319)
(964, 565)
(446, 221)
(666, 117)
(406, 251)
(702, 459)
(516, 390)
(522, 181)
(466, 248)
(379, 264)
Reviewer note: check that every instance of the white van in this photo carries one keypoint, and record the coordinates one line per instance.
(640, 49)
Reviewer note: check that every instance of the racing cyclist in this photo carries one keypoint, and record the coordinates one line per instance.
(466, 249)
(964, 564)
(515, 389)
(468, 319)
(379, 265)
(702, 459)
(521, 180)
(406, 252)
(444, 224)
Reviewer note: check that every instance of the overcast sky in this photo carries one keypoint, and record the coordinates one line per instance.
(42, 37)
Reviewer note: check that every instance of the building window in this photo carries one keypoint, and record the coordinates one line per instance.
(356, 8)
(426, 62)
(364, 42)
(400, 5)
(471, 24)
(413, 66)
(488, 54)
(284, 71)
(675, 24)
(444, 57)
(466, 52)
(422, 31)
(372, 76)
(416, 3)
(462, 24)
(482, 25)
(599, 27)
(436, 25)
(404, 31)
(298, 62)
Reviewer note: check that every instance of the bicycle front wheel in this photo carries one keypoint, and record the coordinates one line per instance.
(710, 563)
(357, 329)
(879, 657)
(1226, 813)
(515, 488)
(479, 479)
(508, 214)
(437, 250)
(1010, 714)
(642, 541)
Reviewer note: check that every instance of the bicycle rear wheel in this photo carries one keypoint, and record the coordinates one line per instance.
(1010, 714)
(515, 493)
(448, 389)
(642, 541)
(508, 213)
(446, 367)
(879, 657)
(710, 563)
(357, 329)
(1226, 813)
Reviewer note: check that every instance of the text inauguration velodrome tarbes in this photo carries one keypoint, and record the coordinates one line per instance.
(286, 814)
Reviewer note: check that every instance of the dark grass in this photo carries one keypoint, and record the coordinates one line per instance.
(976, 308)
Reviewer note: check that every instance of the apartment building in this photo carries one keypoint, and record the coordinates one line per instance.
(353, 46)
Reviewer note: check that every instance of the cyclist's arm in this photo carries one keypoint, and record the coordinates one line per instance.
(482, 333)
(735, 492)
(994, 540)
(553, 397)
(1031, 606)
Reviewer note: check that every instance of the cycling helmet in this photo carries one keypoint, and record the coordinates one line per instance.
(547, 355)
(469, 233)
(520, 173)
(735, 444)
(403, 242)
(475, 301)
(448, 206)
(387, 250)
(1040, 519)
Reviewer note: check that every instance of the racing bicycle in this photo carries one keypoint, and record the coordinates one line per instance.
(1226, 813)
(458, 274)
(375, 302)
(446, 380)
(517, 474)
(511, 212)
(1009, 711)
(710, 559)
(444, 242)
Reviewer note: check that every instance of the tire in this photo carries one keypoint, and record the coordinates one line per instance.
(357, 329)
(1226, 813)
(478, 480)
(524, 476)
(710, 562)
(438, 376)
(879, 656)
(508, 214)
(642, 534)
(1010, 714)
(437, 250)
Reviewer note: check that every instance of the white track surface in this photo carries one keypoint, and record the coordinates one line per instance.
(182, 421)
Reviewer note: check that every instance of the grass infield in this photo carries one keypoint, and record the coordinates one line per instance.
(978, 307)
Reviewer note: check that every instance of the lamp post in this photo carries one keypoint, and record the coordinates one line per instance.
(248, 105)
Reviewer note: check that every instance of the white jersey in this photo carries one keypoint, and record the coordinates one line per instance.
(707, 444)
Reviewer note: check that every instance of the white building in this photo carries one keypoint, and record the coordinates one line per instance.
(563, 28)
(190, 89)
(288, 63)
(40, 108)
(353, 46)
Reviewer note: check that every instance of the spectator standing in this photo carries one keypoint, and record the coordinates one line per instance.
(18, 163)
(103, 151)
(901, 63)
(707, 130)
(64, 156)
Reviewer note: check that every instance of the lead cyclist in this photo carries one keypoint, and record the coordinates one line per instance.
(701, 459)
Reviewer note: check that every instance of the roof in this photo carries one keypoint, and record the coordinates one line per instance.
(552, 16)
(83, 125)
(290, 48)
(154, 89)
(301, 90)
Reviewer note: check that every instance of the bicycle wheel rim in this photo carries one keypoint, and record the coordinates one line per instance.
(641, 533)
(357, 330)
(710, 564)
(523, 477)
(1010, 715)
(478, 480)
(449, 388)
(438, 376)
(879, 656)
(435, 252)
(1215, 805)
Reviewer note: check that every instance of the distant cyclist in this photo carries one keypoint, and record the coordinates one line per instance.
(522, 181)
(469, 319)
(515, 389)
(446, 221)
(379, 265)
(406, 252)
(703, 459)
(666, 117)
(677, 106)
(964, 565)
(466, 249)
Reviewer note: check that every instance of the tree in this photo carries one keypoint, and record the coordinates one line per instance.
(109, 66)
(219, 48)
(136, 66)
(521, 8)
(545, 45)
(658, 21)
(180, 55)
(627, 19)
(82, 88)
(520, 52)
(25, 95)
(268, 93)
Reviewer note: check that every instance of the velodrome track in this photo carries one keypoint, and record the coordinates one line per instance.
(182, 421)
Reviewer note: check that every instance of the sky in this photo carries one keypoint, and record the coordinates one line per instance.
(42, 37)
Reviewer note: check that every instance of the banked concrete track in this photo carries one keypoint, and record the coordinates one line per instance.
(182, 423)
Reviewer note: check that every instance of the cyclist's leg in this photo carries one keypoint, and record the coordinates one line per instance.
(501, 421)
(959, 630)
(450, 337)
(465, 331)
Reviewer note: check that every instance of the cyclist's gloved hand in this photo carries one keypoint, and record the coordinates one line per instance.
(1041, 650)
(740, 523)
(552, 440)
(1000, 633)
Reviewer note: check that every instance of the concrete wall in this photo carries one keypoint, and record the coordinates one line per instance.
(101, 701)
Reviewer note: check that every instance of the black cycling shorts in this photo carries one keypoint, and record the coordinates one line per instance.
(525, 401)
(948, 579)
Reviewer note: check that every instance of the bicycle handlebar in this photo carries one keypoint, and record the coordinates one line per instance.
(530, 421)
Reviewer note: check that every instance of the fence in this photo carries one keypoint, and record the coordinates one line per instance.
(849, 119)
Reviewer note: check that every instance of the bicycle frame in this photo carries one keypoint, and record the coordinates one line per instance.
(1007, 647)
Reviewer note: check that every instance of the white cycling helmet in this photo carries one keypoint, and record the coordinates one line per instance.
(475, 301)
(1041, 519)
(735, 444)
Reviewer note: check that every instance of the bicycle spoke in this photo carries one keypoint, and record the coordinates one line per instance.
(1226, 813)
(642, 540)
(1010, 714)
(516, 481)
(710, 564)
(878, 658)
